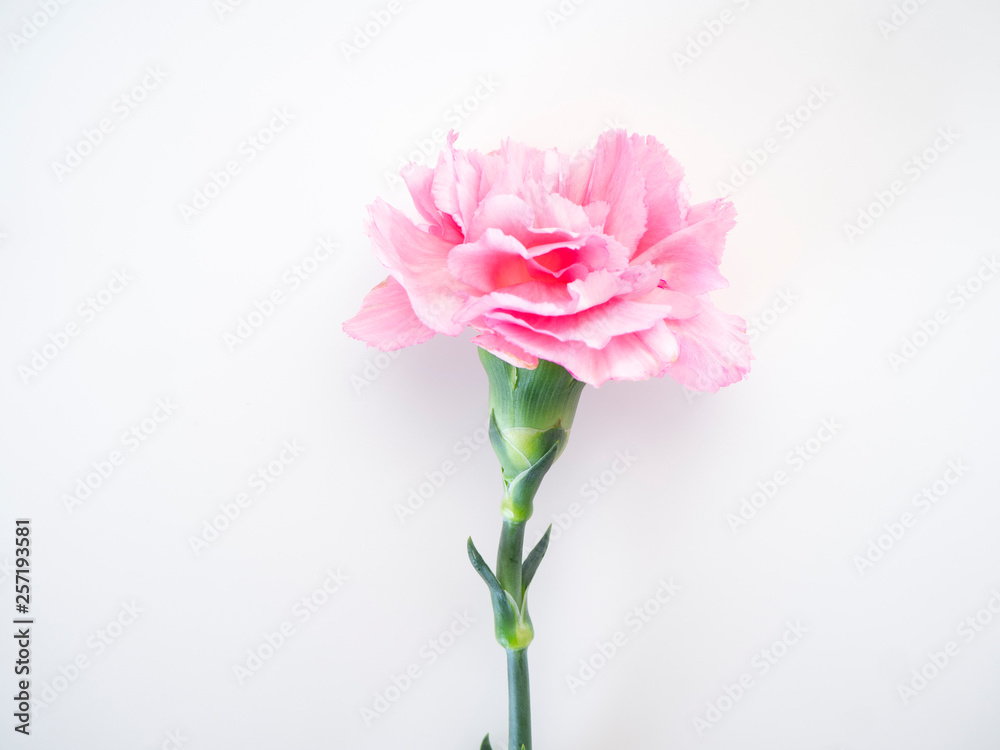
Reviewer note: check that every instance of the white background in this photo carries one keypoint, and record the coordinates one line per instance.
(372, 428)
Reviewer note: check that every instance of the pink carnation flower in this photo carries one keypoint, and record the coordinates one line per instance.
(596, 262)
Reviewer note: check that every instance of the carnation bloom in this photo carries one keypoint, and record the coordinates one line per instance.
(596, 262)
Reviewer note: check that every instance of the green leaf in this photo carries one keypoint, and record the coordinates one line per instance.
(511, 624)
(505, 616)
(533, 560)
(486, 743)
(483, 569)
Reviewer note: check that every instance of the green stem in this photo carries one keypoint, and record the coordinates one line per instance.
(509, 558)
(509, 575)
(520, 700)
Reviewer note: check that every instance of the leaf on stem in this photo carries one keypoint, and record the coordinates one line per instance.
(482, 568)
(504, 610)
(533, 560)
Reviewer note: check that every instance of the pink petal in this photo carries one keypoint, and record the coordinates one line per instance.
(419, 180)
(554, 212)
(419, 261)
(666, 192)
(597, 213)
(386, 320)
(544, 167)
(548, 298)
(595, 252)
(505, 350)
(617, 178)
(642, 279)
(497, 260)
(534, 219)
(508, 213)
(577, 177)
(595, 326)
(493, 261)
(690, 256)
(714, 349)
(508, 180)
(680, 306)
(633, 356)
(462, 179)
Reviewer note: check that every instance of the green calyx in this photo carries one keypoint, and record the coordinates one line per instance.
(531, 413)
